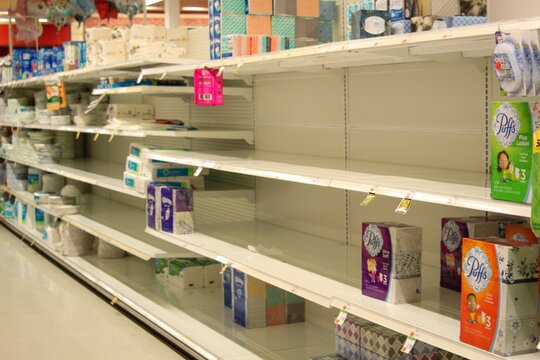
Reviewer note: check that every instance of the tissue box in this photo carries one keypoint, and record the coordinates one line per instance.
(276, 305)
(307, 8)
(347, 349)
(447, 355)
(499, 297)
(391, 262)
(369, 355)
(306, 28)
(423, 351)
(260, 7)
(351, 329)
(153, 206)
(233, 24)
(176, 210)
(458, 21)
(306, 42)
(137, 183)
(285, 7)
(217, 7)
(186, 274)
(445, 7)
(327, 10)
(474, 8)
(94, 34)
(167, 171)
(370, 23)
(327, 357)
(453, 230)
(161, 270)
(383, 342)
(521, 233)
(400, 27)
(227, 281)
(211, 269)
(511, 151)
(285, 26)
(259, 25)
(429, 22)
(325, 31)
(249, 301)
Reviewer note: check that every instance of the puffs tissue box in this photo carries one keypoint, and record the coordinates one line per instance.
(176, 210)
(499, 295)
(383, 342)
(391, 262)
(453, 230)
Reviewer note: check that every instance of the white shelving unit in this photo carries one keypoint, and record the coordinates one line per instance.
(329, 116)
(192, 316)
(464, 190)
(458, 44)
(157, 131)
(245, 92)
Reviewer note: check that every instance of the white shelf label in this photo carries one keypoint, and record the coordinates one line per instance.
(405, 204)
(409, 343)
(369, 198)
(342, 316)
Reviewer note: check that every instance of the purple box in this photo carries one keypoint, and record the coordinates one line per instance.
(152, 206)
(176, 210)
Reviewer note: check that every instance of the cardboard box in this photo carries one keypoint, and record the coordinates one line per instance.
(212, 277)
(185, 274)
(307, 8)
(285, 26)
(370, 23)
(391, 262)
(284, 8)
(306, 28)
(347, 349)
(260, 7)
(453, 230)
(161, 270)
(249, 300)
(458, 21)
(227, 280)
(351, 329)
(327, 10)
(499, 298)
(227, 7)
(473, 7)
(383, 342)
(325, 31)
(259, 25)
(176, 210)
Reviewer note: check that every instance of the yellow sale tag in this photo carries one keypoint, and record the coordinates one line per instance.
(369, 198)
(536, 144)
(404, 205)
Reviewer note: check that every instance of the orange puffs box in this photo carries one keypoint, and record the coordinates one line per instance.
(499, 298)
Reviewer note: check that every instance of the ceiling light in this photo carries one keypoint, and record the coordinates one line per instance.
(3, 12)
(42, 20)
(194, 8)
(152, 2)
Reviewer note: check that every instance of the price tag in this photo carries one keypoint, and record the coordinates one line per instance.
(404, 205)
(96, 137)
(224, 268)
(111, 138)
(369, 198)
(409, 343)
(78, 135)
(536, 144)
(342, 316)
(114, 301)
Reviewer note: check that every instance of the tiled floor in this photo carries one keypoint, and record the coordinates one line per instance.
(45, 314)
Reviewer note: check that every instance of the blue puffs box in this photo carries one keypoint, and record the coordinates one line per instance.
(458, 21)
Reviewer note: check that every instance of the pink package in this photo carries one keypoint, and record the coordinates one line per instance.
(208, 85)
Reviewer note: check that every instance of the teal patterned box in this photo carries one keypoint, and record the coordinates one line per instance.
(285, 26)
(233, 25)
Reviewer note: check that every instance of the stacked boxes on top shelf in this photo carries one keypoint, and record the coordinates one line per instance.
(256, 304)
(372, 18)
(240, 27)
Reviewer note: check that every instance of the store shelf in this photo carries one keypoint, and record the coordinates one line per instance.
(54, 210)
(438, 186)
(93, 73)
(158, 131)
(94, 172)
(245, 92)
(454, 44)
(329, 274)
(191, 316)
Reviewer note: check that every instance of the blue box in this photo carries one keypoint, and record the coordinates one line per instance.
(249, 300)
(152, 202)
(326, 31)
(174, 201)
(228, 287)
(327, 10)
(347, 349)
(458, 21)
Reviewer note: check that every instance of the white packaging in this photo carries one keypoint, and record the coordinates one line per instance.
(53, 183)
(121, 33)
(141, 33)
(96, 34)
(535, 49)
(145, 111)
(75, 242)
(509, 63)
(212, 275)
(135, 182)
(108, 251)
(53, 238)
(134, 165)
(177, 35)
(121, 110)
(160, 33)
(185, 274)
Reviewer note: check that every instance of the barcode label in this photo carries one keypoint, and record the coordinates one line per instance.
(207, 97)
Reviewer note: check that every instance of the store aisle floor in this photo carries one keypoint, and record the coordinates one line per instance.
(45, 314)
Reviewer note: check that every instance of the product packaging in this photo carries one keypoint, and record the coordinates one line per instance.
(391, 262)
(499, 297)
(186, 274)
(208, 87)
(176, 210)
(249, 301)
